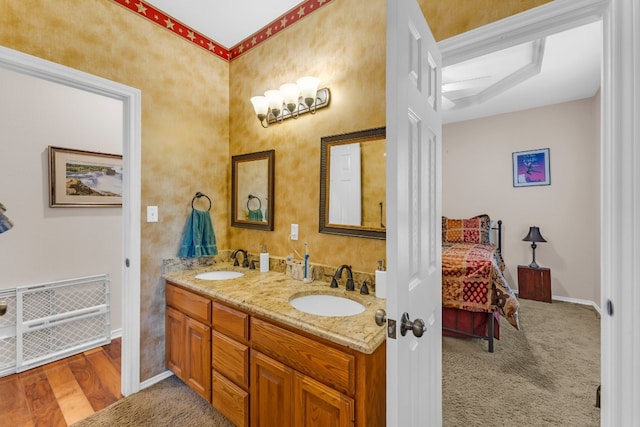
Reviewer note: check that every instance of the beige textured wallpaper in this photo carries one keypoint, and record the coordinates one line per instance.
(191, 126)
(343, 44)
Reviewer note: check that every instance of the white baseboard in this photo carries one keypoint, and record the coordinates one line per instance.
(153, 380)
(573, 300)
(578, 301)
(117, 333)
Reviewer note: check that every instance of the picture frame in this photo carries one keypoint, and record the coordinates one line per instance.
(79, 178)
(531, 168)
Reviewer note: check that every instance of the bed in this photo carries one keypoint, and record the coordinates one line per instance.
(475, 292)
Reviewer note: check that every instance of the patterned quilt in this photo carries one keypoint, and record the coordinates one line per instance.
(472, 280)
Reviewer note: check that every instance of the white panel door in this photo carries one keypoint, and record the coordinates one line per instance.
(345, 203)
(414, 362)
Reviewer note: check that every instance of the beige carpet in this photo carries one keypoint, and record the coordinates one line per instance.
(544, 375)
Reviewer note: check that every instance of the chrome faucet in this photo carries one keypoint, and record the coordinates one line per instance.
(338, 275)
(245, 258)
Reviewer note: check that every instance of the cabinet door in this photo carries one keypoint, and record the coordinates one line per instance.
(197, 369)
(174, 342)
(271, 388)
(317, 405)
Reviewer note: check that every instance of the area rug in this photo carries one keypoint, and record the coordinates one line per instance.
(546, 374)
(167, 403)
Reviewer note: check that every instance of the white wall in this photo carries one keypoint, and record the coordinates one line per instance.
(477, 178)
(48, 244)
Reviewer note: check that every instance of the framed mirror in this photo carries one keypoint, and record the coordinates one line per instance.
(252, 187)
(353, 184)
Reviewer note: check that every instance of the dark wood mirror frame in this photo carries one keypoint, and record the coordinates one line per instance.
(266, 191)
(344, 230)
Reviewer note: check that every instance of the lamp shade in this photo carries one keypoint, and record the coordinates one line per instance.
(308, 89)
(534, 235)
(290, 93)
(275, 98)
(260, 105)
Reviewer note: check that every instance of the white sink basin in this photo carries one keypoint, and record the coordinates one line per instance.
(327, 305)
(219, 275)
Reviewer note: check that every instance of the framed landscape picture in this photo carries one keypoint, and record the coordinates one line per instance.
(531, 168)
(84, 178)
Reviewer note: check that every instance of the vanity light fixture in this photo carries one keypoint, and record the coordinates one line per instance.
(291, 100)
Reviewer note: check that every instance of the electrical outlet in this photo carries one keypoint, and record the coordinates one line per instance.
(152, 214)
(294, 231)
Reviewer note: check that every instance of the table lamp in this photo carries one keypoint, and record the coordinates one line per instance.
(533, 237)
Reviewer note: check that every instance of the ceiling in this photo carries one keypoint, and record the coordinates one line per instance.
(227, 22)
(561, 68)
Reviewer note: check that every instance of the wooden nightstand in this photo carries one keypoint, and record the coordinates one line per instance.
(534, 283)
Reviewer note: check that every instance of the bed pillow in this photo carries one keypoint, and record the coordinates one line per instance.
(470, 230)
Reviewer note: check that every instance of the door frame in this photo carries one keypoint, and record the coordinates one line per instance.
(620, 182)
(131, 146)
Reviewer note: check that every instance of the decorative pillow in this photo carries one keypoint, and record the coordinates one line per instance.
(471, 230)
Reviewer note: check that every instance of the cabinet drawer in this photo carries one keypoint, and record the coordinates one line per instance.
(230, 400)
(230, 322)
(230, 358)
(322, 362)
(191, 304)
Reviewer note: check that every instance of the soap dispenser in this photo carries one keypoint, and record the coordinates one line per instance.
(381, 280)
(264, 260)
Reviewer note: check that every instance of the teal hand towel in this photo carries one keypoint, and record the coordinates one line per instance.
(198, 237)
(255, 215)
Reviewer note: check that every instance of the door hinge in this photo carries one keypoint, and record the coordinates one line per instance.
(391, 328)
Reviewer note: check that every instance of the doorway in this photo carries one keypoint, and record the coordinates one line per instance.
(620, 91)
(131, 122)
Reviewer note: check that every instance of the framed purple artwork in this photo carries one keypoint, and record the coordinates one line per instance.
(531, 168)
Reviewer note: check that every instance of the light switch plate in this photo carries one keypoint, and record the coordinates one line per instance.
(152, 214)
(294, 231)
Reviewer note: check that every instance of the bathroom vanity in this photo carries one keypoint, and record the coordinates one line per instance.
(260, 362)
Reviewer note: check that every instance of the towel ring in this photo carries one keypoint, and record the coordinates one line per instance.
(249, 201)
(197, 196)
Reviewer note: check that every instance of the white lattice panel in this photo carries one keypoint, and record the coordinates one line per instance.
(8, 334)
(56, 320)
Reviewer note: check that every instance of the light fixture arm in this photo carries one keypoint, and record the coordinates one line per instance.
(293, 110)
(322, 100)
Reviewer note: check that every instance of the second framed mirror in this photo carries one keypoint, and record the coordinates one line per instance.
(353, 184)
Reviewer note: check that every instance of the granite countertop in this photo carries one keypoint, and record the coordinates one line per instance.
(268, 295)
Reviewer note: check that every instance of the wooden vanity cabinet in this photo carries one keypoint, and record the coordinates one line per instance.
(262, 374)
(188, 338)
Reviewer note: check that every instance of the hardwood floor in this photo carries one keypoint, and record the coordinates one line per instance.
(62, 392)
